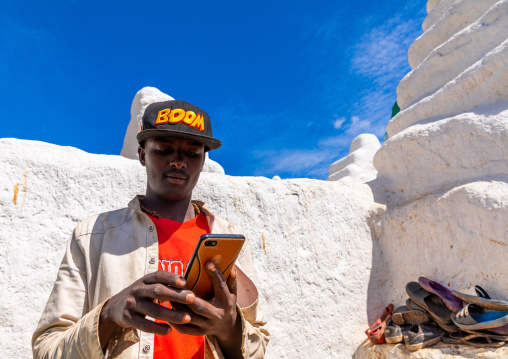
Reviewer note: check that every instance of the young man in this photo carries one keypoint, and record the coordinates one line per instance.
(120, 265)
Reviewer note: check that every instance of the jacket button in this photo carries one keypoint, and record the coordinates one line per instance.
(146, 348)
(152, 261)
(150, 228)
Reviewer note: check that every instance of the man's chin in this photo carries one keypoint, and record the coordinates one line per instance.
(172, 196)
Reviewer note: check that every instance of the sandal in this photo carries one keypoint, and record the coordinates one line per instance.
(376, 332)
(430, 302)
(451, 301)
(484, 302)
(473, 340)
(474, 317)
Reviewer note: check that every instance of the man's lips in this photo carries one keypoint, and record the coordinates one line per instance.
(176, 175)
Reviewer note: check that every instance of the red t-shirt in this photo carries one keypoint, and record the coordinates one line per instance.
(177, 242)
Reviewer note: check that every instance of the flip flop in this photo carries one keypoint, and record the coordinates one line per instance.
(450, 328)
(476, 341)
(377, 330)
(474, 317)
(412, 305)
(404, 315)
(451, 301)
(501, 333)
(486, 333)
(462, 335)
(484, 302)
(430, 302)
(502, 330)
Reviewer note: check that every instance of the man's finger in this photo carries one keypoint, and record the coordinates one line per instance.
(203, 308)
(232, 282)
(148, 326)
(189, 329)
(160, 312)
(166, 278)
(220, 287)
(164, 293)
(196, 319)
(200, 308)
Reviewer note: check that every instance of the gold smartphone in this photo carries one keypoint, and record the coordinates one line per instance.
(221, 249)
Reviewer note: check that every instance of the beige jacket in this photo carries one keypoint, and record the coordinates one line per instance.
(106, 253)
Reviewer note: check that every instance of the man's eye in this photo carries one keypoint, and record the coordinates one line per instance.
(162, 152)
(192, 154)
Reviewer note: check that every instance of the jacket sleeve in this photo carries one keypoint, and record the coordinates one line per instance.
(255, 336)
(67, 328)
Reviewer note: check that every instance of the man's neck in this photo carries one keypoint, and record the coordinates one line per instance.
(178, 211)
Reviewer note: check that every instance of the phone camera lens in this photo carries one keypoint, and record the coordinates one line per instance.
(210, 243)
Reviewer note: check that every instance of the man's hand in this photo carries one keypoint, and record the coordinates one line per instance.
(128, 308)
(218, 316)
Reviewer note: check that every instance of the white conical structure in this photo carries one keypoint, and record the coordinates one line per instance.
(144, 97)
(357, 166)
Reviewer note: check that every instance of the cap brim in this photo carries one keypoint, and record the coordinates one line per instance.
(211, 143)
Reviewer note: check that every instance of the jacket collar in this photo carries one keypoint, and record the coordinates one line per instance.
(210, 218)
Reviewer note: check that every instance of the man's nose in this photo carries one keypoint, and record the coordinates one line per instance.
(178, 163)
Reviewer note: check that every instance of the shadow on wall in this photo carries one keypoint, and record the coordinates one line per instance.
(376, 292)
(378, 277)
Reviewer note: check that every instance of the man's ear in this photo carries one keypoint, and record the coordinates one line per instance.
(141, 155)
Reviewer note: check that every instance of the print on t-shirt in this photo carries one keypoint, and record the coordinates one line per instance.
(175, 267)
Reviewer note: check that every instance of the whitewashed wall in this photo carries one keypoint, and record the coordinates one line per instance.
(310, 239)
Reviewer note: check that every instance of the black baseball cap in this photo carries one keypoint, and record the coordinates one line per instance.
(177, 118)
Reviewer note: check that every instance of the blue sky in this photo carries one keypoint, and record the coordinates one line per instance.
(288, 84)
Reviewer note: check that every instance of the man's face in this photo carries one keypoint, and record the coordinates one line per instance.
(173, 166)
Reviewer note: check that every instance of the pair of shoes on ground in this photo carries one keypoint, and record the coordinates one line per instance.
(465, 319)
(415, 336)
(462, 316)
(413, 326)
(406, 325)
